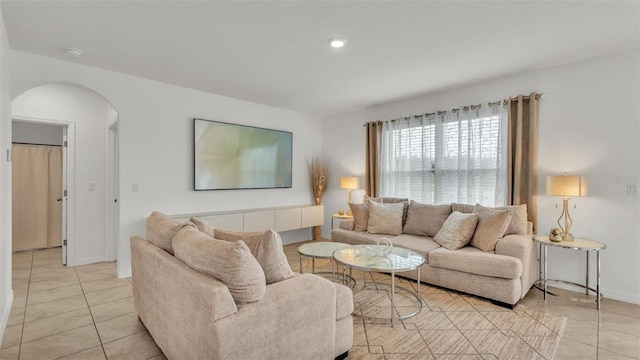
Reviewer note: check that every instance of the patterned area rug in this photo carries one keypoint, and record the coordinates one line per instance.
(451, 325)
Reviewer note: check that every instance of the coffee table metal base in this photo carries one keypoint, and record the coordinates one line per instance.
(392, 291)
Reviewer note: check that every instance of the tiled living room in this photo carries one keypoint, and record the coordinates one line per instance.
(86, 312)
(436, 125)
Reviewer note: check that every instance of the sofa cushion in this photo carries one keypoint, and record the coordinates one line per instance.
(229, 262)
(161, 229)
(360, 214)
(356, 237)
(457, 230)
(463, 208)
(385, 218)
(518, 224)
(420, 244)
(475, 261)
(266, 247)
(491, 227)
(425, 219)
(202, 225)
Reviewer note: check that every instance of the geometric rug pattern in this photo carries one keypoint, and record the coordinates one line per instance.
(451, 325)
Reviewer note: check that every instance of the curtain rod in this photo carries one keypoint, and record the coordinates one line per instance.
(34, 144)
(465, 108)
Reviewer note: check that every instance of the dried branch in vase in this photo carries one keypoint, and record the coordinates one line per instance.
(319, 170)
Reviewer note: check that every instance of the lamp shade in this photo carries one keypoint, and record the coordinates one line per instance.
(349, 183)
(567, 185)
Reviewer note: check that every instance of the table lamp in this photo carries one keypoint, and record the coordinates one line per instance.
(349, 183)
(566, 186)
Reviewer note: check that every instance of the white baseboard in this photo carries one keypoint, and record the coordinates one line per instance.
(87, 261)
(124, 273)
(617, 295)
(4, 319)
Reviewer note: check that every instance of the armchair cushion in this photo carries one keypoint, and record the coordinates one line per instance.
(230, 262)
(266, 247)
(161, 229)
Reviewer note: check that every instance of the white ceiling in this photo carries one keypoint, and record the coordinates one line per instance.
(276, 53)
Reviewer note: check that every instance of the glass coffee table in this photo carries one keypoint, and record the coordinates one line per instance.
(324, 250)
(373, 258)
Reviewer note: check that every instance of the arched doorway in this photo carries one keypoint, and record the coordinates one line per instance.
(91, 213)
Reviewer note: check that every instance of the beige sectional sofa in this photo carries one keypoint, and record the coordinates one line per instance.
(254, 308)
(498, 267)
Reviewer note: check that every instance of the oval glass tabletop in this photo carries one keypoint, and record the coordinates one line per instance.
(373, 257)
(320, 249)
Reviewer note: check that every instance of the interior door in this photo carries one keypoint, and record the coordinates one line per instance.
(64, 196)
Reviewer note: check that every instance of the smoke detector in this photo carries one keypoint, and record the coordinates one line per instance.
(74, 52)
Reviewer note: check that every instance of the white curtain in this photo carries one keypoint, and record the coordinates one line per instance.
(449, 156)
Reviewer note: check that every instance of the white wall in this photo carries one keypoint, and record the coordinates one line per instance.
(343, 148)
(589, 125)
(155, 128)
(89, 113)
(36, 133)
(6, 294)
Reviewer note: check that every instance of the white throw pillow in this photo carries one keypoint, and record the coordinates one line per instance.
(457, 230)
(385, 218)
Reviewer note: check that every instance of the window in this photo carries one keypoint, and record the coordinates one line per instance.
(457, 156)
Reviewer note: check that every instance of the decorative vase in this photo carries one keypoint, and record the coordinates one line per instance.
(317, 232)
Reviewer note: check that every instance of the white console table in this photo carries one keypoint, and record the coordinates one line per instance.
(283, 218)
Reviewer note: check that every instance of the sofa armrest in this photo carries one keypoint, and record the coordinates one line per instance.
(347, 225)
(296, 319)
(156, 273)
(521, 247)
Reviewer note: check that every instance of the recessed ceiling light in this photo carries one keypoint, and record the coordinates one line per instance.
(337, 42)
(75, 52)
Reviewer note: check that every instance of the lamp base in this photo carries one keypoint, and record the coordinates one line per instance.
(567, 237)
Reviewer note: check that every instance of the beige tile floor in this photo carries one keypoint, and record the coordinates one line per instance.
(86, 312)
(82, 312)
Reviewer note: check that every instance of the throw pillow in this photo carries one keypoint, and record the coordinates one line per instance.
(394, 200)
(360, 214)
(518, 223)
(229, 262)
(385, 218)
(425, 219)
(266, 247)
(492, 224)
(161, 229)
(203, 226)
(457, 230)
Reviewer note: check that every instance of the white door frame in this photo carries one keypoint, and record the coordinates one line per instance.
(113, 189)
(70, 177)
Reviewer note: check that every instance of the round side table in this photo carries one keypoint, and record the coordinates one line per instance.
(576, 244)
(323, 250)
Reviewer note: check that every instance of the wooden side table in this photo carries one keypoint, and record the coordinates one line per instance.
(341, 217)
(577, 244)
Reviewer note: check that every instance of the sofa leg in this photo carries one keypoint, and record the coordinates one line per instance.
(503, 304)
(343, 355)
